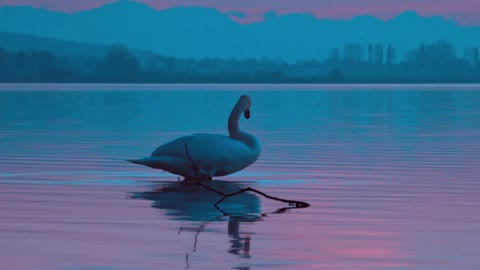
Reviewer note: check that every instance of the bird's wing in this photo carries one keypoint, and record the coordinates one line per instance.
(206, 149)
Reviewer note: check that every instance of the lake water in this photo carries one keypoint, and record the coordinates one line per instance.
(391, 173)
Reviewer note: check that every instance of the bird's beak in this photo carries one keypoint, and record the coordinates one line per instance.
(246, 113)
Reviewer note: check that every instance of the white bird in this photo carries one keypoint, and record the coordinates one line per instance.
(212, 154)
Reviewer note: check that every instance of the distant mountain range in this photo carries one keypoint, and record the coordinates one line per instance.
(26, 42)
(204, 32)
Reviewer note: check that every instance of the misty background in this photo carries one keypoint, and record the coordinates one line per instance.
(131, 42)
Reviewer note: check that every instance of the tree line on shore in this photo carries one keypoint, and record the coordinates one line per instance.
(437, 62)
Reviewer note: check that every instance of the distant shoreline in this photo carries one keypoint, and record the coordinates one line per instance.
(232, 86)
(376, 64)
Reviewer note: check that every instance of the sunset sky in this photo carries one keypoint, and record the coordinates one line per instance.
(466, 12)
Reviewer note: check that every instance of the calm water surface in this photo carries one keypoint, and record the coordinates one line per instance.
(392, 177)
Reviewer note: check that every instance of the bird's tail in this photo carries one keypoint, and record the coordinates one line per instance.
(161, 162)
(152, 162)
(140, 161)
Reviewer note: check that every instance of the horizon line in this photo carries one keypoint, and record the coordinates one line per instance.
(236, 86)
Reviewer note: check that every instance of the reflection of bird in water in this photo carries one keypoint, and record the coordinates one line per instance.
(240, 245)
(190, 202)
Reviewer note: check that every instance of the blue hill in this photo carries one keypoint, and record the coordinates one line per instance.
(205, 32)
(26, 42)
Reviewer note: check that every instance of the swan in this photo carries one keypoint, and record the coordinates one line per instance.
(212, 154)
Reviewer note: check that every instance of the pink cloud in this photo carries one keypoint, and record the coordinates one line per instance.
(464, 11)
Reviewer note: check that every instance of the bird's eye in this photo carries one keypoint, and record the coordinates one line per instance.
(247, 114)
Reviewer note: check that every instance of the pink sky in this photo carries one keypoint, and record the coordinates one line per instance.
(464, 11)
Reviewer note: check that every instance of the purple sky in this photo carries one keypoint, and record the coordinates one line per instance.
(466, 12)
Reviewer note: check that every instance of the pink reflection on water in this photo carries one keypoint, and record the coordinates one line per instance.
(395, 199)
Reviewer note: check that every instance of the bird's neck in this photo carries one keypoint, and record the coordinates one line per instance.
(233, 119)
(250, 140)
(237, 134)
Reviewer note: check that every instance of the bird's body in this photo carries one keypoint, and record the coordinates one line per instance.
(212, 154)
